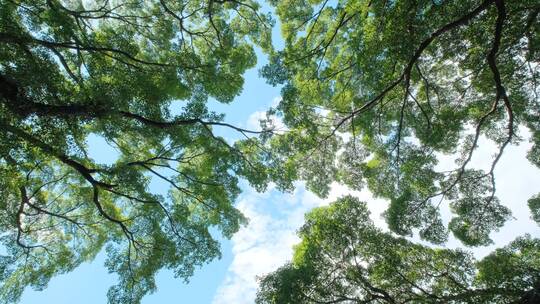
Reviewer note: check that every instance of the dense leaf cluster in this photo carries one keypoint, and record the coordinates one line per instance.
(391, 86)
(70, 69)
(344, 258)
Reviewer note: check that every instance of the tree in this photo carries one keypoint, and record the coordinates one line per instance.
(69, 69)
(391, 86)
(344, 258)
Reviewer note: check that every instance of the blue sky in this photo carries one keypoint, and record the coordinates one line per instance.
(266, 242)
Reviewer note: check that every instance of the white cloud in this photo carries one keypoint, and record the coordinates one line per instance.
(254, 119)
(276, 101)
(266, 242)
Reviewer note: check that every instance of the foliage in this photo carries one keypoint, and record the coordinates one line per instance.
(534, 206)
(344, 258)
(70, 69)
(393, 86)
(374, 93)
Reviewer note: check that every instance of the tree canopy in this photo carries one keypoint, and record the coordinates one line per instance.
(69, 69)
(375, 93)
(344, 258)
(392, 86)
